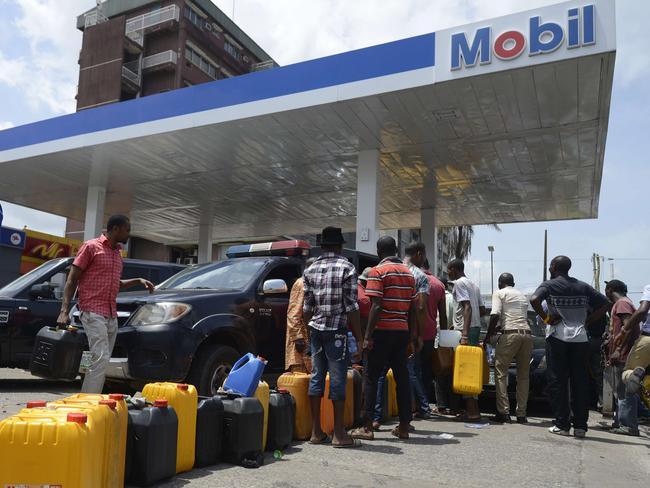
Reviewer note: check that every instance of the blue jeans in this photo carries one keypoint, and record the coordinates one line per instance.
(379, 403)
(415, 378)
(627, 405)
(329, 353)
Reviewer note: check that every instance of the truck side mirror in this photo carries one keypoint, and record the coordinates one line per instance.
(42, 291)
(274, 287)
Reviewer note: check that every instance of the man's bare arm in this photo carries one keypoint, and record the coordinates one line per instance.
(68, 293)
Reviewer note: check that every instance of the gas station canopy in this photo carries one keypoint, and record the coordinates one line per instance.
(499, 121)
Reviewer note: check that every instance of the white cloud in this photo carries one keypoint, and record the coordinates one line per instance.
(47, 72)
(294, 30)
(5, 124)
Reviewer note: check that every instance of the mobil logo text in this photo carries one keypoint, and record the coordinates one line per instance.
(542, 37)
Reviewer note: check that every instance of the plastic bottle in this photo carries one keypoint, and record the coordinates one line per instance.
(352, 343)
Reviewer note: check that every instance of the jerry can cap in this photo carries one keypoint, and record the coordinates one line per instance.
(182, 386)
(161, 403)
(118, 397)
(112, 404)
(78, 418)
(37, 404)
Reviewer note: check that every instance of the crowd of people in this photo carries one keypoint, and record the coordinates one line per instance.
(390, 315)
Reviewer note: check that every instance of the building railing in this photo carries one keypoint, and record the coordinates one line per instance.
(131, 72)
(150, 19)
(160, 58)
(263, 65)
(93, 18)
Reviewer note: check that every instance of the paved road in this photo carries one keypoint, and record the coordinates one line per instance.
(510, 455)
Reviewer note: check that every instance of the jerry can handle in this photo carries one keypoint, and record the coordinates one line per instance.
(242, 361)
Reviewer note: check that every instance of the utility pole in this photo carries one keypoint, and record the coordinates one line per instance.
(544, 278)
(595, 259)
(491, 249)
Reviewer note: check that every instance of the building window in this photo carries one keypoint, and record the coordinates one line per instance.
(204, 64)
(232, 50)
(192, 16)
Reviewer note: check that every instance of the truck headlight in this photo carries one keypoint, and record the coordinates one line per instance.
(160, 313)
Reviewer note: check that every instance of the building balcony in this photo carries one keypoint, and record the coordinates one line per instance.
(160, 61)
(137, 27)
(131, 78)
(93, 18)
(264, 65)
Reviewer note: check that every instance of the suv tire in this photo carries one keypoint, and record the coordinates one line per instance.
(210, 368)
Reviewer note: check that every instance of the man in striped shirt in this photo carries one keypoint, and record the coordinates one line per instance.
(390, 334)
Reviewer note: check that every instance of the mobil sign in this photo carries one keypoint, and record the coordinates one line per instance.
(562, 28)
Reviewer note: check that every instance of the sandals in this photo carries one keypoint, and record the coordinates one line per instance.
(325, 440)
(441, 411)
(396, 433)
(351, 445)
(469, 420)
(362, 433)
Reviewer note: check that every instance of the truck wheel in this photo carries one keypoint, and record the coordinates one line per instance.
(211, 367)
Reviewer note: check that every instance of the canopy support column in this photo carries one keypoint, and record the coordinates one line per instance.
(429, 236)
(205, 234)
(95, 205)
(368, 196)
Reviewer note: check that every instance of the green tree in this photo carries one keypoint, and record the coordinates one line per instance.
(460, 240)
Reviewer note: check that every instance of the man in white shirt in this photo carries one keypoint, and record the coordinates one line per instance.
(469, 305)
(508, 322)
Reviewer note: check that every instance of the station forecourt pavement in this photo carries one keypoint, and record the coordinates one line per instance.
(440, 453)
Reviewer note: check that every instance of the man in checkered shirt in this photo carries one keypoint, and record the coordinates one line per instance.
(98, 269)
(330, 304)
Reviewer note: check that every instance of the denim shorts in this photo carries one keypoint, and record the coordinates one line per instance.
(329, 353)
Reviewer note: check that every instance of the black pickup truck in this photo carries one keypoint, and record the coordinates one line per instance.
(199, 322)
(34, 300)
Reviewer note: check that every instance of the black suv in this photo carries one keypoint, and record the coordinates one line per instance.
(34, 300)
(199, 322)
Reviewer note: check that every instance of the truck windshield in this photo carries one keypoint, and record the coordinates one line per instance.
(232, 274)
(33, 276)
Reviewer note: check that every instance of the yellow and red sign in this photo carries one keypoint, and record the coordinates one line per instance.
(40, 247)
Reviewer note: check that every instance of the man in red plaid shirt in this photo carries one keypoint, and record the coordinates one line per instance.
(330, 286)
(97, 270)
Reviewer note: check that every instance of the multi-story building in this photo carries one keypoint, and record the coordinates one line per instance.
(134, 48)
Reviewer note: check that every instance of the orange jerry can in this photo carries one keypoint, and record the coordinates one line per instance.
(81, 399)
(468, 370)
(327, 409)
(298, 385)
(184, 400)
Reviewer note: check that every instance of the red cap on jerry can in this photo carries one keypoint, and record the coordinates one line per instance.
(118, 397)
(182, 386)
(37, 404)
(112, 404)
(160, 403)
(79, 418)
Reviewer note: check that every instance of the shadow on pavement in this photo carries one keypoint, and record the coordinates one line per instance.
(38, 386)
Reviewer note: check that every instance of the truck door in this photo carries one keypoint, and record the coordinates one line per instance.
(33, 313)
(272, 312)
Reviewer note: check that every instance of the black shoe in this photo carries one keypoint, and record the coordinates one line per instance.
(522, 420)
(501, 418)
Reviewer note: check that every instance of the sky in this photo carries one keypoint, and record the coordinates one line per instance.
(39, 46)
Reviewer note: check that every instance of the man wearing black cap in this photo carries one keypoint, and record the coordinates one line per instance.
(330, 304)
(625, 420)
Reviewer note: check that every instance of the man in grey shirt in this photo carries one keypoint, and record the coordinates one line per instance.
(568, 302)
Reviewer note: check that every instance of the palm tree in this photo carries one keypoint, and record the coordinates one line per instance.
(460, 240)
